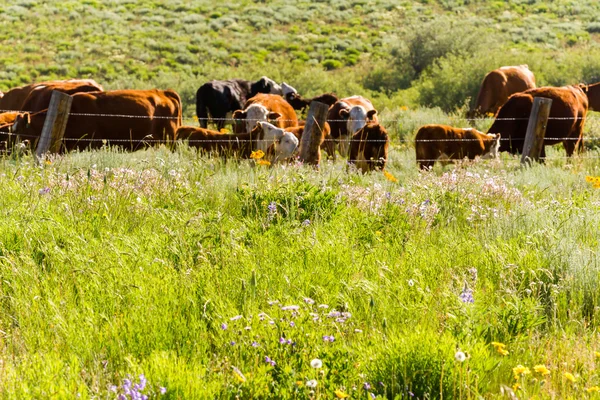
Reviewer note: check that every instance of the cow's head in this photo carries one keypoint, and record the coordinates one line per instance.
(255, 113)
(493, 151)
(21, 124)
(288, 92)
(265, 85)
(284, 143)
(356, 118)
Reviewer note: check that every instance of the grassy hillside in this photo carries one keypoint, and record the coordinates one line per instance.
(196, 278)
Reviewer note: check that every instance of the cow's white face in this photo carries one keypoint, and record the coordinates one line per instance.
(287, 90)
(274, 88)
(255, 113)
(285, 143)
(494, 151)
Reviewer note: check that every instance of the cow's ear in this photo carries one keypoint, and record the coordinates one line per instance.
(498, 136)
(239, 114)
(273, 115)
(344, 113)
(371, 114)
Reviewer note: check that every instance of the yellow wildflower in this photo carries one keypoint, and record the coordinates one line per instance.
(299, 383)
(404, 108)
(569, 376)
(589, 178)
(597, 353)
(516, 387)
(593, 389)
(520, 370)
(257, 155)
(238, 375)
(389, 177)
(500, 348)
(541, 369)
(263, 162)
(503, 352)
(340, 394)
(224, 130)
(48, 162)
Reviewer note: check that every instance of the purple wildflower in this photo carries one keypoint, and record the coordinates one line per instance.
(367, 386)
(232, 343)
(372, 395)
(306, 222)
(292, 324)
(269, 361)
(224, 326)
(113, 388)
(43, 191)
(235, 318)
(334, 314)
(290, 308)
(254, 344)
(466, 296)
(308, 300)
(162, 390)
(329, 338)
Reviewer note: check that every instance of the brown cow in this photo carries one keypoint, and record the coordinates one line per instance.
(565, 124)
(127, 118)
(39, 97)
(593, 94)
(442, 142)
(277, 142)
(499, 85)
(265, 107)
(299, 103)
(13, 99)
(347, 116)
(369, 148)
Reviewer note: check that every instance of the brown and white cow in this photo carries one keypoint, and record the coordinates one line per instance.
(369, 148)
(14, 99)
(124, 117)
(565, 124)
(277, 142)
(442, 142)
(347, 116)
(498, 85)
(265, 107)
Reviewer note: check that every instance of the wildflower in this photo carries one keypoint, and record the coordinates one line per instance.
(411, 283)
(460, 356)
(467, 295)
(263, 162)
(541, 369)
(113, 388)
(44, 191)
(224, 326)
(327, 338)
(389, 177)
(292, 324)
(255, 344)
(312, 383)
(589, 178)
(298, 383)
(340, 394)
(520, 370)
(316, 363)
(257, 155)
(367, 386)
(593, 389)
(597, 353)
(500, 348)
(569, 376)
(232, 343)
(235, 318)
(306, 222)
(238, 374)
(516, 387)
(272, 302)
(269, 361)
(358, 330)
(162, 390)
(334, 314)
(325, 306)
(308, 300)
(290, 308)
(372, 395)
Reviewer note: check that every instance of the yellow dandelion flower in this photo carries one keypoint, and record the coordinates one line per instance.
(404, 108)
(498, 345)
(541, 369)
(238, 375)
(569, 376)
(596, 185)
(516, 387)
(589, 178)
(257, 155)
(503, 352)
(520, 370)
(263, 162)
(299, 383)
(48, 162)
(340, 394)
(389, 177)
(593, 389)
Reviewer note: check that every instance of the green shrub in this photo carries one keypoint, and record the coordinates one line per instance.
(331, 64)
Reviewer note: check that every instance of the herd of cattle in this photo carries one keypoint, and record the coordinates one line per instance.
(264, 118)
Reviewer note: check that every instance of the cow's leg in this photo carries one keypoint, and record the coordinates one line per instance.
(569, 146)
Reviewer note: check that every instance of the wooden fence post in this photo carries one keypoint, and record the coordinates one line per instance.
(536, 130)
(54, 124)
(310, 145)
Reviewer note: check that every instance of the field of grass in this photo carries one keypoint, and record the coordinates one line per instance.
(178, 276)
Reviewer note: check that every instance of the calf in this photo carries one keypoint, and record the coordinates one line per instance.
(346, 117)
(265, 107)
(369, 148)
(279, 143)
(442, 142)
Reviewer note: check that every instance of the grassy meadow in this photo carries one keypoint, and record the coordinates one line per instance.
(172, 275)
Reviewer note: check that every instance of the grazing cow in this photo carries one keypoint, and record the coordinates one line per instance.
(299, 103)
(593, 94)
(442, 142)
(138, 115)
(13, 99)
(218, 98)
(499, 85)
(347, 116)
(39, 97)
(265, 107)
(275, 141)
(566, 120)
(369, 148)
